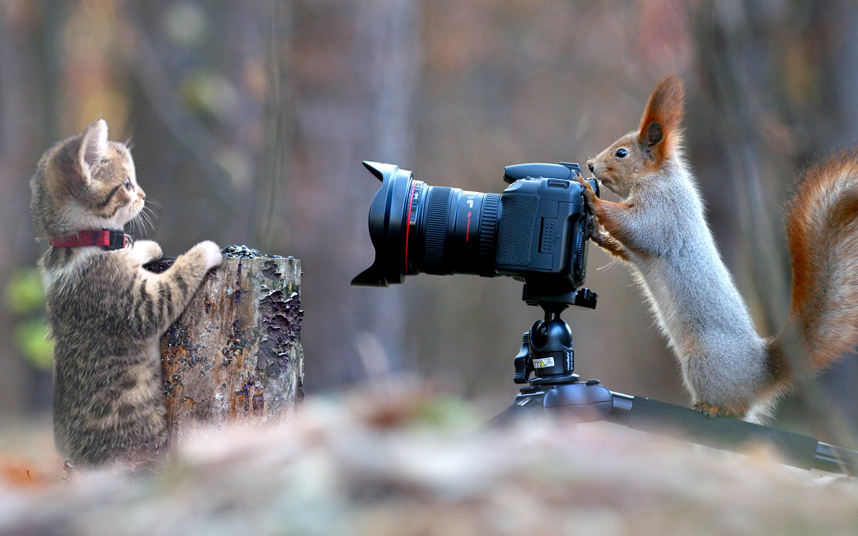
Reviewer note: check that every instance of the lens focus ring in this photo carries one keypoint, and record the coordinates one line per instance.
(436, 226)
(488, 234)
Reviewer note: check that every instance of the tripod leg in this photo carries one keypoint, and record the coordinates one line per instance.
(522, 408)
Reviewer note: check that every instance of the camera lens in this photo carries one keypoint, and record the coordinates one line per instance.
(417, 228)
(456, 231)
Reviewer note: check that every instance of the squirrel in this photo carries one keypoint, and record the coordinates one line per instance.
(659, 230)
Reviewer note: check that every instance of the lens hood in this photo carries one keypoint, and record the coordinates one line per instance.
(387, 226)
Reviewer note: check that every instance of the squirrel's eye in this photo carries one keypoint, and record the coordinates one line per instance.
(621, 153)
(127, 184)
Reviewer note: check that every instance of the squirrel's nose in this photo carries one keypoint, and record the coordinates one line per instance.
(590, 165)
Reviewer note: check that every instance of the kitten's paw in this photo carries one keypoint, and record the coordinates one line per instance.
(212, 253)
(146, 251)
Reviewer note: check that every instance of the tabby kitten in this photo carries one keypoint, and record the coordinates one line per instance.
(106, 313)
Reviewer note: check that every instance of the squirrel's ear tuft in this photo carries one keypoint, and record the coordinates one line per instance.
(660, 131)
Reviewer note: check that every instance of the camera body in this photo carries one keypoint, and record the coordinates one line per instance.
(544, 227)
(535, 231)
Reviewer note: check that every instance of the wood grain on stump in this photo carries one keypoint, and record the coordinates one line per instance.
(235, 353)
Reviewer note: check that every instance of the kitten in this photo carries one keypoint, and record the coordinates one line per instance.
(106, 313)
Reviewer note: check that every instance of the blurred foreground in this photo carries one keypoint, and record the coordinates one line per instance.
(411, 463)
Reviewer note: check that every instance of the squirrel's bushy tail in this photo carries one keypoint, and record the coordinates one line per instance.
(822, 232)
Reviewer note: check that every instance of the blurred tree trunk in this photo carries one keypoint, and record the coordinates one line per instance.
(28, 85)
(783, 87)
(271, 192)
(349, 107)
(842, 380)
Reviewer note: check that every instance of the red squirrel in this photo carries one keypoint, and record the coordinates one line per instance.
(660, 231)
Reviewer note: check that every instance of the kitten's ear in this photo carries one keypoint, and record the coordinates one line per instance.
(93, 146)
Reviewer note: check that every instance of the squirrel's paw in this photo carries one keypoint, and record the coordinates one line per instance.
(712, 411)
(599, 236)
(589, 195)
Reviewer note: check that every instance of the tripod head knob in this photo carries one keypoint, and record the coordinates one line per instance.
(523, 364)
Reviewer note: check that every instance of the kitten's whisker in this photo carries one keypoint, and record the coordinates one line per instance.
(149, 216)
(143, 221)
(134, 228)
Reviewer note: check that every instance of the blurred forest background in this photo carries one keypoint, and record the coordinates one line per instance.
(249, 121)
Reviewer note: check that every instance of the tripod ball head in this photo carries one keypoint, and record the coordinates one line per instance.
(551, 347)
(550, 336)
(546, 351)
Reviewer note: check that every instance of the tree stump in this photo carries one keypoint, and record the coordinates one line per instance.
(235, 353)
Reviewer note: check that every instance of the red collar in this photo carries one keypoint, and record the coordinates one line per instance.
(106, 239)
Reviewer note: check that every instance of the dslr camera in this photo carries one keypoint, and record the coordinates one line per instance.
(536, 231)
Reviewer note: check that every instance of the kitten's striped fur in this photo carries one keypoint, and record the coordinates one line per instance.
(106, 313)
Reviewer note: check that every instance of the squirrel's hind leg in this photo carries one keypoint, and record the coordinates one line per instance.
(712, 411)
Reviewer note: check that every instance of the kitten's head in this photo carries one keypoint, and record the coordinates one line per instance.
(84, 183)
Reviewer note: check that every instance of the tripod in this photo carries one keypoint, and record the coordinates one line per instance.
(547, 353)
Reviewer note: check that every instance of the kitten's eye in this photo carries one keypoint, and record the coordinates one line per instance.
(127, 184)
(621, 153)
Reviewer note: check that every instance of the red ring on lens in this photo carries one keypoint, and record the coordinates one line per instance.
(408, 222)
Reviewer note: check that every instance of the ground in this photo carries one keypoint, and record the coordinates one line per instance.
(418, 464)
